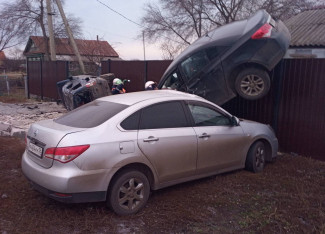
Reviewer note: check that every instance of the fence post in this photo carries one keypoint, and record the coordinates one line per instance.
(109, 66)
(27, 78)
(145, 72)
(41, 73)
(67, 69)
(8, 86)
(26, 86)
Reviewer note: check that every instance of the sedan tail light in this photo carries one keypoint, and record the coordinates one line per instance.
(264, 31)
(65, 154)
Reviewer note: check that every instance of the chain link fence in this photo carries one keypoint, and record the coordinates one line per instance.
(12, 84)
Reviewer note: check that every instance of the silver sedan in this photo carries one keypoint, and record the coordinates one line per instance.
(118, 148)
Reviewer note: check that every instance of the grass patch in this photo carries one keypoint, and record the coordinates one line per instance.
(16, 95)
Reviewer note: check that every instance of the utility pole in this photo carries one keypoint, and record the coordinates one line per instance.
(50, 27)
(72, 41)
(144, 46)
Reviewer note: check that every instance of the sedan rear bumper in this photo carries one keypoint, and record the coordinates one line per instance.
(67, 183)
(70, 197)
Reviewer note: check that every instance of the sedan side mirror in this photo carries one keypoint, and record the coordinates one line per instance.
(234, 121)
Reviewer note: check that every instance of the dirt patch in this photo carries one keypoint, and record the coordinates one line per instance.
(288, 197)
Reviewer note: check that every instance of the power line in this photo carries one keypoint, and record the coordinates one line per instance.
(145, 28)
(119, 14)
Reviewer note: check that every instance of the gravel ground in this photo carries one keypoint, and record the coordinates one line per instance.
(15, 119)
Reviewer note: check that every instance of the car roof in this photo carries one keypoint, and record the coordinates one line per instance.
(135, 97)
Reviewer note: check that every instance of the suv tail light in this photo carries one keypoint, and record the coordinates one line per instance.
(264, 31)
(65, 154)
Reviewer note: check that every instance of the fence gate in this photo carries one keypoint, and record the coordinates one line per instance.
(43, 76)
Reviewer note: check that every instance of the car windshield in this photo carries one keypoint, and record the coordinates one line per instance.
(91, 115)
(173, 81)
(194, 64)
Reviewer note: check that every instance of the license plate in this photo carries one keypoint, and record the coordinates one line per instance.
(35, 149)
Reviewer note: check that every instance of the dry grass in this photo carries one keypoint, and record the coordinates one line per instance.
(16, 95)
(288, 197)
(17, 89)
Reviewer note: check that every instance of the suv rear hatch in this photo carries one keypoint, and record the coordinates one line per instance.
(43, 135)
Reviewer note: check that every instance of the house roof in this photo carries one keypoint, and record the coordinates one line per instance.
(307, 28)
(36, 45)
(2, 55)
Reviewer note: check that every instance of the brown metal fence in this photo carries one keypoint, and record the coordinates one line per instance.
(294, 107)
(139, 72)
(43, 76)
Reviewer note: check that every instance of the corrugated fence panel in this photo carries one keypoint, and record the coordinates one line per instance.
(52, 73)
(34, 77)
(137, 71)
(302, 108)
(105, 67)
(156, 68)
(43, 76)
(131, 70)
(295, 106)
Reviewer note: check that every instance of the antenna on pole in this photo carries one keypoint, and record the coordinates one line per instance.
(144, 46)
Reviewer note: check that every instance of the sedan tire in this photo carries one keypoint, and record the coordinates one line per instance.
(252, 83)
(256, 157)
(129, 192)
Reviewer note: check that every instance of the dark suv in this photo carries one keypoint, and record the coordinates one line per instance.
(229, 60)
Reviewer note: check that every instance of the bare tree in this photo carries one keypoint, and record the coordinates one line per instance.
(177, 23)
(9, 31)
(74, 23)
(30, 15)
(14, 60)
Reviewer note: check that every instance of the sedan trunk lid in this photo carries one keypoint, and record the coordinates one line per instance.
(43, 135)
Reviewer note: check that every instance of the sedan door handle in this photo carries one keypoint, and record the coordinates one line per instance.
(150, 139)
(204, 135)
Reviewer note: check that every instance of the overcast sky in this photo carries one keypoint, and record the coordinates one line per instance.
(119, 32)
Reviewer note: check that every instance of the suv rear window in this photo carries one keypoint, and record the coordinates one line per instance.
(91, 115)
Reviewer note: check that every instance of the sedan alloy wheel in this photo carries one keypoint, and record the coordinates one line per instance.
(129, 192)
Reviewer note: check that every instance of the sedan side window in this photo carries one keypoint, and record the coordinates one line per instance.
(204, 116)
(131, 122)
(194, 64)
(163, 115)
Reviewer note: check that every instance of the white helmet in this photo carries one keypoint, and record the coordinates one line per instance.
(117, 81)
(148, 84)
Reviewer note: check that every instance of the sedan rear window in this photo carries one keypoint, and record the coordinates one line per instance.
(91, 114)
